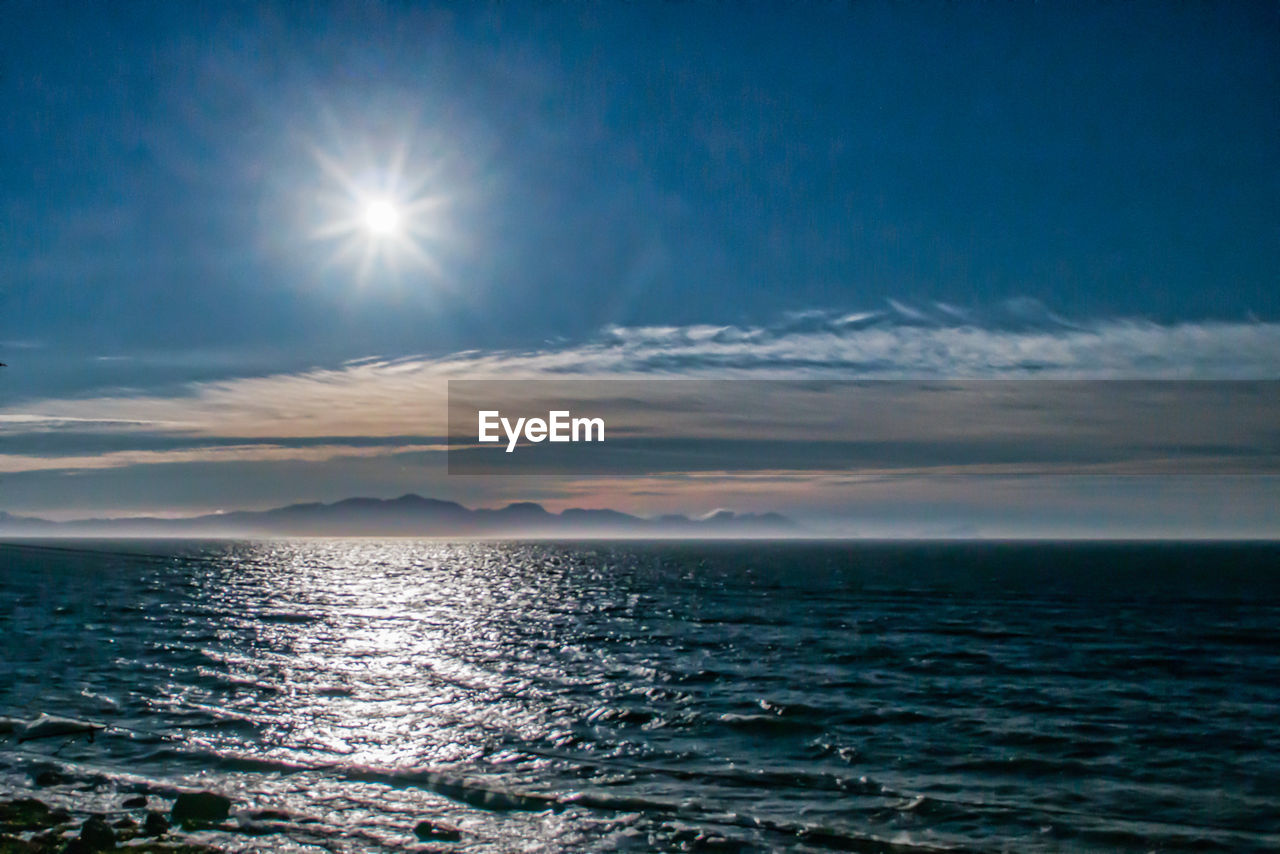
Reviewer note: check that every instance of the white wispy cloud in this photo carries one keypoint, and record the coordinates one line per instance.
(377, 397)
(258, 452)
(32, 422)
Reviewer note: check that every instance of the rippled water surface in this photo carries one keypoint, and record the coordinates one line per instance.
(567, 697)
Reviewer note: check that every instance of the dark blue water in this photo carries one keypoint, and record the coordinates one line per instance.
(754, 697)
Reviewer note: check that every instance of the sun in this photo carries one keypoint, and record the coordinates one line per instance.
(382, 218)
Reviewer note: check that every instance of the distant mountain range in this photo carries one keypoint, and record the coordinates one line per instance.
(412, 516)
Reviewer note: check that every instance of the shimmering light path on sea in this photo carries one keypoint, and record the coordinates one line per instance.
(563, 697)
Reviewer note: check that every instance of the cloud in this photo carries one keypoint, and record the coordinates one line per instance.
(406, 397)
(30, 422)
(15, 463)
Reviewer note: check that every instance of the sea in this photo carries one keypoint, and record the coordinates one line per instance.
(657, 696)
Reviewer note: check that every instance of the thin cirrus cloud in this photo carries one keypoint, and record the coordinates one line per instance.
(23, 422)
(405, 397)
(257, 452)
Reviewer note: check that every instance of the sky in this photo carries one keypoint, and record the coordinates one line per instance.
(197, 315)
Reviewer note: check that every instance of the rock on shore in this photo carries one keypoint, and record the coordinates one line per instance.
(30, 826)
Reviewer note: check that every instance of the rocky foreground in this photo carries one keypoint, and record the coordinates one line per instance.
(143, 824)
(30, 825)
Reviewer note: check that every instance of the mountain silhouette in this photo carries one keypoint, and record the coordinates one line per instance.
(413, 516)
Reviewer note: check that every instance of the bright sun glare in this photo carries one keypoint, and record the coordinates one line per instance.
(381, 218)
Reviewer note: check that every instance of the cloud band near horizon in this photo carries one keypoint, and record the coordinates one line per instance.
(402, 401)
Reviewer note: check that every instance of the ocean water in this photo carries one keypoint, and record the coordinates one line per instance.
(642, 697)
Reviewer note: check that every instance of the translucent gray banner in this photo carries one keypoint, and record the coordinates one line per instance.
(967, 427)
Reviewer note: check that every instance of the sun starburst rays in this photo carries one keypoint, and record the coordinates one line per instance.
(379, 219)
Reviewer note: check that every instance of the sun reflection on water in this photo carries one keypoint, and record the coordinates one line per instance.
(348, 647)
(592, 697)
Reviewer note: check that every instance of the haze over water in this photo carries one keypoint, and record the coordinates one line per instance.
(634, 697)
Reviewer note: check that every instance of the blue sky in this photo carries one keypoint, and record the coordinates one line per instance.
(1095, 187)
